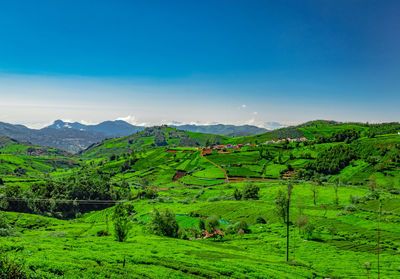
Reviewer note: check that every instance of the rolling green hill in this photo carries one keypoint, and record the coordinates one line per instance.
(14, 147)
(149, 138)
(20, 161)
(339, 176)
(319, 128)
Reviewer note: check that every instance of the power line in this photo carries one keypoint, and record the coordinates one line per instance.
(65, 201)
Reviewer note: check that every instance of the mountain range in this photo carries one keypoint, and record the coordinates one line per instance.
(74, 137)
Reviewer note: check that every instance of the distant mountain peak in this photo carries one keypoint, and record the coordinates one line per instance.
(110, 128)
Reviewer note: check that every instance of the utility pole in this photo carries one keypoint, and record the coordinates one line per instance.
(289, 190)
(379, 234)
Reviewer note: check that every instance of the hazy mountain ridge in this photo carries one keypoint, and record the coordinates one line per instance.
(120, 128)
(74, 136)
(117, 128)
(70, 140)
(223, 129)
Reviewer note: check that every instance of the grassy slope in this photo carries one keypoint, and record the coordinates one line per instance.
(33, 161)
(60, 248)
(151, 137)
(70, 249)
(161, 165)
(308, 130)
(14, 147)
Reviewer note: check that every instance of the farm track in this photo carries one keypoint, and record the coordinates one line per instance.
(218, 166)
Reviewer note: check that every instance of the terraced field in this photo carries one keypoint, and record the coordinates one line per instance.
(60, 216)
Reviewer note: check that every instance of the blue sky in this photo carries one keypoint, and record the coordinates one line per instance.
(206, 61)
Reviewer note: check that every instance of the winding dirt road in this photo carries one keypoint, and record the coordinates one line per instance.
(218, 166)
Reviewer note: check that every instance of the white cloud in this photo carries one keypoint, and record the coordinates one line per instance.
(255, 112)
(244, 106)
(250, 122)
(84, 122)
(130, 119)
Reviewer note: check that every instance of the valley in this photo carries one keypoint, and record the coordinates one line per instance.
(225, 198)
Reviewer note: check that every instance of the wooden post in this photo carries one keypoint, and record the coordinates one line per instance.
(379, 234)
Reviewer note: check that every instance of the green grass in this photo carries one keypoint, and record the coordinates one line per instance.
(338, 248)
(54, 247)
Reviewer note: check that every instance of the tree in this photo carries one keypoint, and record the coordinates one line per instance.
(241, 226)
(250, 192)
(164, 223)
(281, 204)
(212, 224)
(336, 188)
(314, 190)
(121, 220)
(289, 193)
(309, 230)
(302, 221)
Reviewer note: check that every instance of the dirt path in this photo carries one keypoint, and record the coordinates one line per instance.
(218, 166)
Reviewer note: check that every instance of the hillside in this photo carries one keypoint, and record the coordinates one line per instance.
(23, 160)
(319, 128)
(223, 130)
(15, 147)
(341, 238)
(339, 176)
(151, 137)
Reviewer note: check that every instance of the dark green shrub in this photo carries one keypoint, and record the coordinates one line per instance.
(242, 226)
(394, 191)
(373, 195)
(164, 223)
(194, 214)
(354, 199)
(250, 192)
(230, 229)
(260, 220)
(11, 269)
(202, 224)
(309, 230)
(220, 198)
(5, 228)
(186, 201)
(212, 223)
(102, 233)
(121, 220)
(148, 194)
(237, 195)
(350, 208)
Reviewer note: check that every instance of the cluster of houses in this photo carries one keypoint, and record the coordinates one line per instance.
(238, 146)
(228, 146)
(284, 140)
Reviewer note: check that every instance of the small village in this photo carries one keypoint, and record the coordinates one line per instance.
(239, 146)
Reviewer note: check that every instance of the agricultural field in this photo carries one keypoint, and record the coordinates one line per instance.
(164, 203)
